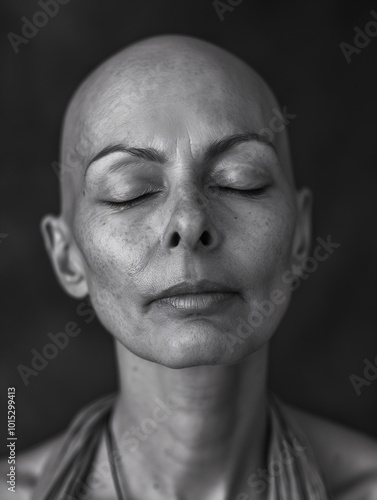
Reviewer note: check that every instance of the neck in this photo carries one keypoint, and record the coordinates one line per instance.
(190, 420)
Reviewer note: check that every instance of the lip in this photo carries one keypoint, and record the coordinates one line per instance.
(197, 287)
(203, 295)
(197, 302)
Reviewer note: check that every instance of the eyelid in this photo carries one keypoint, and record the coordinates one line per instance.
(243, 173)
(244, 186)
(133, 201)
(254, 190)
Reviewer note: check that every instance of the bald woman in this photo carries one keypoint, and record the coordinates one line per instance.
(179, 217)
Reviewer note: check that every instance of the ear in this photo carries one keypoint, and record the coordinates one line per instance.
(303, 233)
(65, 257)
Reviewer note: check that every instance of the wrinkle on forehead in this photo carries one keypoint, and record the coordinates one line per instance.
(174, 69)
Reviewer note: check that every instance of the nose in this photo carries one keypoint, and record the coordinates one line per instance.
(189, 225)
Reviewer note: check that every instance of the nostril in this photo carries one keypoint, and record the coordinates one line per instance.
(206, 238)
(175, 239)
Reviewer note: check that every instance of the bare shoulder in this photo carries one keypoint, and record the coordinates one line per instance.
(347, 458)
(28, 468)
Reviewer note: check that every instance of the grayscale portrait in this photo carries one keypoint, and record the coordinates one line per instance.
(192, 344)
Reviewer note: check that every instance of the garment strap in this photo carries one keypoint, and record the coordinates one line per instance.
(293, 473)
(68, 466)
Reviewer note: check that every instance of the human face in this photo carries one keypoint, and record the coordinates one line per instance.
(221, 226)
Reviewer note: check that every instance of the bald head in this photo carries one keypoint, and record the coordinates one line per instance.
(159, 92)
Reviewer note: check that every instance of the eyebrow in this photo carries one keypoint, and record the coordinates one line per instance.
(216, 148)
(149, 154)
(223, 145)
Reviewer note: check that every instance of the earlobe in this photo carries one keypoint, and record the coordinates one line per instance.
(64, 255)
(303, 233)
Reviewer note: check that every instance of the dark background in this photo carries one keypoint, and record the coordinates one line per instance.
(330, 327)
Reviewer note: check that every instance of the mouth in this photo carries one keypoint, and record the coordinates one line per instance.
(196, 297)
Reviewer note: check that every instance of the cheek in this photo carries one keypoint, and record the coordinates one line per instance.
(263, 253)
(262, 241)
(115, 253)
(115, 250)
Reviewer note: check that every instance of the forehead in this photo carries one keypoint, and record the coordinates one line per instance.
(168, 101)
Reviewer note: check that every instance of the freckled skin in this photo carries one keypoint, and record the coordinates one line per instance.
(125, 259)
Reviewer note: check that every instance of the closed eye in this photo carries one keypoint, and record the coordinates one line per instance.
(251, 193)
(130, 203)
(245, 192)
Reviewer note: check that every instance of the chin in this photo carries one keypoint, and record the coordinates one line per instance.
(197, 344)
